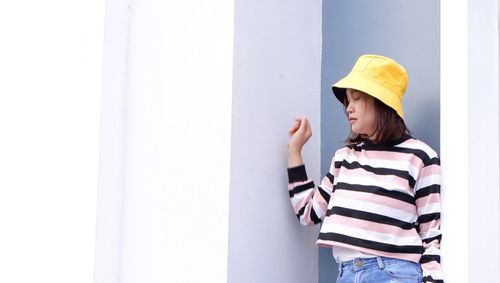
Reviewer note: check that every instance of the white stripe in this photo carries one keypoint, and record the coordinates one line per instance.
(402, 165)
(370, 181)
(418, 144)
(292, 186)
(427, 181)
(435, 274)
(431, 233)
(326, 188)
(305, 219)
(429, 208)
(370, 235)
(319, 211)
(375, 208)
(432, 250)
(300, 196)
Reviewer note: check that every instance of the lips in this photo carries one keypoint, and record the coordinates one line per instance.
(351, 120)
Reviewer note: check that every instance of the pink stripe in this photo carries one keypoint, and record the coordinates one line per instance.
(426, 227)
(343, 151)
(378, 199)
(430, 199)
(431, 265)
(429, 171)
(421, 145)
(383, 155)
(387, 179)
(335, 172)
(303, 201)
(412, 141)
(307, 214)
(291, 186)
(326, 182)
(369, 226)
(395, 156)
(321, 201)
(435, 243)
(409, 257)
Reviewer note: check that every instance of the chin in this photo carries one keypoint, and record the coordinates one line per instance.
(356, 131)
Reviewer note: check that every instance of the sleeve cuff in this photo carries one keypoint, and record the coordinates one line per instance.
(297, 174)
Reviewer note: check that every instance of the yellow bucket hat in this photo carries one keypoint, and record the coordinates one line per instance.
(378, 76)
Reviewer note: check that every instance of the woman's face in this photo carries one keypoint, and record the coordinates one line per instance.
(361, 112)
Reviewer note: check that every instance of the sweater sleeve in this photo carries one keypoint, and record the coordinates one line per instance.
(308, 201)
(428, 201)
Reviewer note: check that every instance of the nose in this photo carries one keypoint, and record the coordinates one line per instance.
(349, 108)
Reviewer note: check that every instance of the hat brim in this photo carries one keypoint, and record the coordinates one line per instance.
(369, 87)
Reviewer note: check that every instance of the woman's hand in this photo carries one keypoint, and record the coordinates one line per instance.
(299, 134)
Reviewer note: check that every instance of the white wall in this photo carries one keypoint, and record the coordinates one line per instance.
(470, 140)
(112, 143)
(164, 193)
(276, 78)
(454, 141)
(484, 142)
(50, 75)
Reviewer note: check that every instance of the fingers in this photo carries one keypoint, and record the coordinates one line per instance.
(302, 126)
(305, 126)
(308, 128)
(295, 126)
(299, 133)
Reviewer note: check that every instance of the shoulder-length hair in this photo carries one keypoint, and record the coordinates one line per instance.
(389, 125)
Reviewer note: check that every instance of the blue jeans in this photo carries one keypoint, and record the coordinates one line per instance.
(379, 270)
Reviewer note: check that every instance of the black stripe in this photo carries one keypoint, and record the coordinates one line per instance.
(428, 240)
(301, 211)
(324, 194)
(433, 161)
(432, 189)
(381, 171)
(422, 155)
(297, 174)
(330, 177)
(371, 244)
(338, 164)
(424, 218)
(378, 191)
(314, 217)
(368, 216)
(301, 188)
(429, 258)
(429, 279)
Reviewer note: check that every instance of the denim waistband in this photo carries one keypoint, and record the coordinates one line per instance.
(361, 263)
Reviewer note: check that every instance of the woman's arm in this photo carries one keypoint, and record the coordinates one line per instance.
(309, 203)
(299, 135)
(428, 201)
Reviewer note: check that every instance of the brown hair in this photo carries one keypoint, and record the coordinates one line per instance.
(389, 125)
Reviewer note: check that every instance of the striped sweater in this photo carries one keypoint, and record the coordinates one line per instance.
(380, 199)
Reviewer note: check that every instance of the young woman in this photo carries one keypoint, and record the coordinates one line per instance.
(380, 201)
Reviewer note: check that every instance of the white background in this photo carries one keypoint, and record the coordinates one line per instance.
(165, 142)
(50, 82)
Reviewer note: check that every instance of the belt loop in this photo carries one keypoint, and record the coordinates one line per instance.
(380, 263)
(341, 268)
